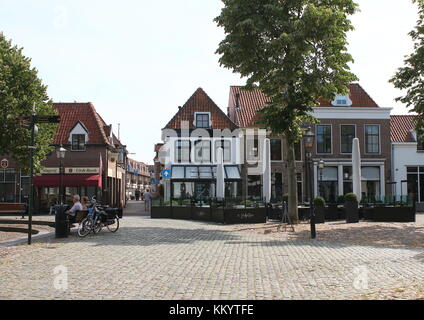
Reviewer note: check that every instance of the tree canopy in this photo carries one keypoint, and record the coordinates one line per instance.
(295, 51)
(20, 90)
(410, 77)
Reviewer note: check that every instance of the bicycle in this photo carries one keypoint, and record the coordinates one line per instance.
(96, 219)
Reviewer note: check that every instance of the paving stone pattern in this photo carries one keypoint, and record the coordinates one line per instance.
(174, 259)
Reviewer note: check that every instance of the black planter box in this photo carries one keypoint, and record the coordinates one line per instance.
(394, 214)
(201, 213)
(352, 212)
(319, 215)
(275, 213)
(303, 213)
(218, 215)
(331, 213)
(183, 213)
(245, 215)
(161, 213)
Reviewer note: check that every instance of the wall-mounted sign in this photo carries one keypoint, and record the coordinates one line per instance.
(4, 163)
(50, 171)
(82, 170)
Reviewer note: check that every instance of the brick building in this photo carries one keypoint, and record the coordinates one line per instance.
(341, 120)
(138, 177)
(93, 165)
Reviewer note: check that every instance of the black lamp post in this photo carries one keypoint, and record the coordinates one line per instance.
(308, 140)
(60, 154)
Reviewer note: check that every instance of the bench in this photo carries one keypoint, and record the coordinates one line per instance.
(7, 208)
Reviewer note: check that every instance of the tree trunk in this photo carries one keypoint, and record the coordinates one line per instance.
(292, 182)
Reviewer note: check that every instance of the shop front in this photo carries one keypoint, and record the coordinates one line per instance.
(48, 186)
(199, 182)
(335, 180)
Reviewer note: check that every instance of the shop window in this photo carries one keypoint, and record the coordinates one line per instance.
(299, 181)
(277, 185)
(370, 183)
(254, 187)
(328, 183)
(78, 142)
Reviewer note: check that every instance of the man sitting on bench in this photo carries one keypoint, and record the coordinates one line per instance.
(76, 207)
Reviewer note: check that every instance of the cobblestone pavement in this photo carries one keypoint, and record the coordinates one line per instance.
(174, 259)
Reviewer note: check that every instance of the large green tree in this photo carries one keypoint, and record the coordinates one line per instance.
(20, 90)
(411, 76)
(295, 51)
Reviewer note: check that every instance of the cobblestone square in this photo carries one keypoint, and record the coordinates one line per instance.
(175, 259)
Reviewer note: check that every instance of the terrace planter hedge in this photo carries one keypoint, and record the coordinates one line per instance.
(245, 215)
(331, 212)
(319, 209)
(201, 213)
(218, 215)
(183, 213)
(163, 212)
(394, 214)
(351, 208)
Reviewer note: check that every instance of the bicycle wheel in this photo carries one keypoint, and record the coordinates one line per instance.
(114, 227)
(98, 226)
(84, 227)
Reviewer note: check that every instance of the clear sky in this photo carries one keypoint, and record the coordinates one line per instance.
(138, 60)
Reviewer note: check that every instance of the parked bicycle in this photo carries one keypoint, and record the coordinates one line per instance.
(97, 218)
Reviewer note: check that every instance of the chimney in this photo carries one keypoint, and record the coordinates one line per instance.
(179, 107)
(237, 106)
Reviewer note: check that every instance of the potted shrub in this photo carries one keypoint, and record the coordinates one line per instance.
(319, 208)
(351, 208)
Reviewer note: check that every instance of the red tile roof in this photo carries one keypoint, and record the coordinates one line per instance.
(200, 102)
(401, 127)
(252, 101)
(71, 114)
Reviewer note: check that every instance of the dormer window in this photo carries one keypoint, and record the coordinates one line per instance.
(202, 119)
(342, 101)
(78, 137)
(78, 142)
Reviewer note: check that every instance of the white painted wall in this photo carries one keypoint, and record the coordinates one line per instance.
(404, 155)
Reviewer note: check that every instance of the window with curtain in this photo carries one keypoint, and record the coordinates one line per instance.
(372, 139)
(182, 151)
(202, 151)
(226, 146)
(347, 134)
(323, 138)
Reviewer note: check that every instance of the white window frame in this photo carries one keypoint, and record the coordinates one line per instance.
(316, 139)
(202, 113)
(379, 139)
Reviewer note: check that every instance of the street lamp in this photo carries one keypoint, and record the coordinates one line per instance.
(60, 154)
(321, 166)
(308, 140)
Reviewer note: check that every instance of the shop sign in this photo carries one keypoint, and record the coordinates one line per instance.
(50, 171)
(82, 170)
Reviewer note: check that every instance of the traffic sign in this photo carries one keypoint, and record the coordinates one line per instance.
(166, 174)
